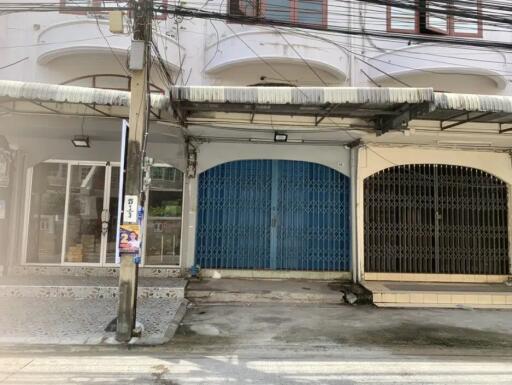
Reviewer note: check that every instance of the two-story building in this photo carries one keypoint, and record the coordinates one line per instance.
(312, 194)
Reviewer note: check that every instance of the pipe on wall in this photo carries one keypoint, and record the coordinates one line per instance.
(353, 211)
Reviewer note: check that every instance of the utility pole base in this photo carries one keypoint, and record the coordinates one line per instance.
(127, 293)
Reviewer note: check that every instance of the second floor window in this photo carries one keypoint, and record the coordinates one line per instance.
(309, 12)
(430, 17)
(75, 4)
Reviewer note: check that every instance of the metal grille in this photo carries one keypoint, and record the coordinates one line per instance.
(429, 218)
(313, 226)
(273, 214)
(233, 229)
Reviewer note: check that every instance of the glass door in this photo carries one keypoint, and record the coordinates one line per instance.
(72, 214)
(45, 220)
(162, 238)
(83, 222)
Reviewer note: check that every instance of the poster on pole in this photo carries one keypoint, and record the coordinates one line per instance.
(129, 240)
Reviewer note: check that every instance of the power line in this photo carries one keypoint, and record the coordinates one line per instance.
(199, 13)
(328, 31)
(16, 62)
(110, 47)
(190, 12)
(448, 8)
(295, 28)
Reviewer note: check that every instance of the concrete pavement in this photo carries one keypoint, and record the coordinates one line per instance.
(292, 344)
(161, 369)
(74, 321)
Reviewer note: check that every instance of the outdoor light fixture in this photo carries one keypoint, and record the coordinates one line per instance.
(81, 141)
(280, 137)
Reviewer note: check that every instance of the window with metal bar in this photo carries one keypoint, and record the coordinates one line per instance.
(304, 12)
(434, 17)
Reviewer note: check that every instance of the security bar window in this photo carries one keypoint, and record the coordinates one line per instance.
(303, 12)
(433, 17)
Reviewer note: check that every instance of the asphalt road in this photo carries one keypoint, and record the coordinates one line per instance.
(289, 344)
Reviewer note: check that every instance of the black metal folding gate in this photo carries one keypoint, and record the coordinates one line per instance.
(430, 218)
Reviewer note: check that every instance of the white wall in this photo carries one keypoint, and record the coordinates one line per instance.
(204, 43)
(428, 61)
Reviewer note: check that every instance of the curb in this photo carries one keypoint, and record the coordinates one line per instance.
(176, 321)
(211, 296)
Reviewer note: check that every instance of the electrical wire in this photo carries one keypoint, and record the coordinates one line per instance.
(110, 47)
(376, 59)
(14, 63)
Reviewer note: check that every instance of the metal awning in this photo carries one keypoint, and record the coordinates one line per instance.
(380, 108)
(453, 110)
(30, 97)
(70, 94)
(386, 108)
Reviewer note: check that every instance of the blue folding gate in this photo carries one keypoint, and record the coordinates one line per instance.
(273, 214)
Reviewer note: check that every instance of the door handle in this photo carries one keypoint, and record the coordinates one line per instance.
(105, 219)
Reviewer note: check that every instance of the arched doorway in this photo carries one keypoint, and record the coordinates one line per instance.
(433, 218)
(273, 214)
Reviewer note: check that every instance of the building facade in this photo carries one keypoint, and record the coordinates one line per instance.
(331, 201)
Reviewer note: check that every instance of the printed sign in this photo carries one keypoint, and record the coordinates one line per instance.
(129, 240)
(131, 204)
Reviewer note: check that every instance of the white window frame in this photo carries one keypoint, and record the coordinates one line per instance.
(146, 216)
(106, 202)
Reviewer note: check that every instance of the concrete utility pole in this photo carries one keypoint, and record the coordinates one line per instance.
(142, 11)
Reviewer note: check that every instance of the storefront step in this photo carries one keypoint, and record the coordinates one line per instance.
(440, 295)
(91, 271)
(265, 290)
(44, 286)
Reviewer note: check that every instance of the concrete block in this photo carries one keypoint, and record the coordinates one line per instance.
(351, 298)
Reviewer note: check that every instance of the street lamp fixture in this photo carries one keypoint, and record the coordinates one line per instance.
(81, 141)
(280, 137)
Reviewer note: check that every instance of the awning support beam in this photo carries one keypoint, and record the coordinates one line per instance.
(94, 108)
(468, 120)
(154, 113)
(331, 110)
(45, 107)
(454, 116)
(504, 130)
(400, 118)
